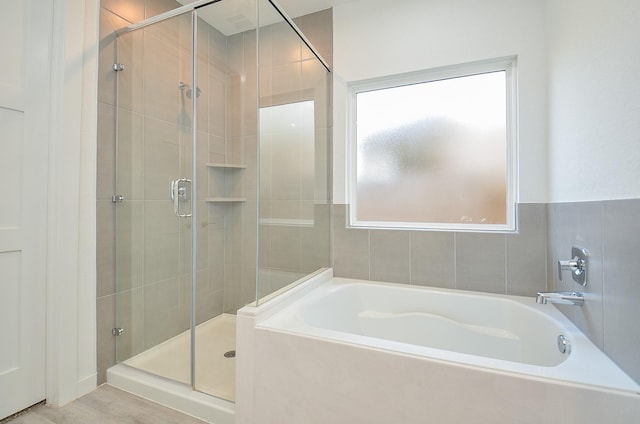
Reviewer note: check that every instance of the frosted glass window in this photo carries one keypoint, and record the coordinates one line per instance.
(434, 154)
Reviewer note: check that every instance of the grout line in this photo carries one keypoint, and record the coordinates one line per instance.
(410, 261)
(455, 260)
(506, 267)
(604, 281)
(369, 254)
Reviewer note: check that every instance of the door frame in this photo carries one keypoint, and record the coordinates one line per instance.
(71, 212)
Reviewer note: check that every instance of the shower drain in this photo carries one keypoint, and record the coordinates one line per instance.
(230, 354)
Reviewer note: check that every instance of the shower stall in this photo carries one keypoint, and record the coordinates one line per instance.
(222, 124)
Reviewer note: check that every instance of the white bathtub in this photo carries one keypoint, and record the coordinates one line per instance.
(352, 351)
(507, 333)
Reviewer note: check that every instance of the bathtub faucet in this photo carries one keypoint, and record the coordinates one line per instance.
(565, 298)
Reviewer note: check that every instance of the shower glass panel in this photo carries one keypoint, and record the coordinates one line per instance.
(227, 174)
(294, 136)
(196, 173)
(154, 179)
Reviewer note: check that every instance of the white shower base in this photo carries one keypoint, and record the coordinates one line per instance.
(215, 374)
(163, 373)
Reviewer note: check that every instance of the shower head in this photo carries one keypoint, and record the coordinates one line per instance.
(185, 87)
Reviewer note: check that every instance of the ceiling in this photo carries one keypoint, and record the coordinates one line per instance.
(295, 8)
(234, 16)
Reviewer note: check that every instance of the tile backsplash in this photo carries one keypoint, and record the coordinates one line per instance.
(497, 263)
(519, 264)
(610, 230)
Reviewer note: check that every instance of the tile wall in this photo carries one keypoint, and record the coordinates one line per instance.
(610, 230)
(496, 263)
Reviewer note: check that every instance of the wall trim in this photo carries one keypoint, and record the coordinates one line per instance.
(71, 276)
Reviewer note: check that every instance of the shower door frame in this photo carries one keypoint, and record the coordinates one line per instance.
(193, 212)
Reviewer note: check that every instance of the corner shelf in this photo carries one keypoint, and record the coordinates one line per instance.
(225, 199)
(226, 165)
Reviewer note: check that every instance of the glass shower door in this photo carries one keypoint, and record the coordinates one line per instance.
(153, 202)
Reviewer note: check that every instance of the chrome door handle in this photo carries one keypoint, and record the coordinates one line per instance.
(180, 195)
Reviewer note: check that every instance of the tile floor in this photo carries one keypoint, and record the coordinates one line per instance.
(108, 405)
(105, 405)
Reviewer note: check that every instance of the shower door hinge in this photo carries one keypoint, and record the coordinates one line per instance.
(118, 67)
(117, 331)
(117, 198)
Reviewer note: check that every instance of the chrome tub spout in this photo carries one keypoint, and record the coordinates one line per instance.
(565, 298)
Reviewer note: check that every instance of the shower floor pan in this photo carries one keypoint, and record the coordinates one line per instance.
(163, 373)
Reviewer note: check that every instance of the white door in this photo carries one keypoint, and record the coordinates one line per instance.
(25, 37)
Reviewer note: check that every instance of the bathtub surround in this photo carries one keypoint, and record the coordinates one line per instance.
(363, 394)
(496, 263)
(304, 366)
(519, 264)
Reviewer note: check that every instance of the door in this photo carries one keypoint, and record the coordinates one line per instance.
(25, 33)
(154, 188)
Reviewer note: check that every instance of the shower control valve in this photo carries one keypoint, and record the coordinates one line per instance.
(577, 265)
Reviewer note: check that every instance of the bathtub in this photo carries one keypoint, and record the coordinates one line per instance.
(507, 333)
(352, 351)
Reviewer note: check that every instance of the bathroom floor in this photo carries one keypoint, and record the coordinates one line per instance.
(215, 373)
(105, 405)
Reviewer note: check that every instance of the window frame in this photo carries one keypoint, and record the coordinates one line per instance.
(506, 64)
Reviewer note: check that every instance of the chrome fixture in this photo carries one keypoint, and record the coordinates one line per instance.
(577, 265)
(118, 67)
(182, 86)
(564, 298)
(180, 194)
(563, 344)
(117, 198)
(117, 331)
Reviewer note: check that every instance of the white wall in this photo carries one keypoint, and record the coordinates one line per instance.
(594, 99)
(373, 38)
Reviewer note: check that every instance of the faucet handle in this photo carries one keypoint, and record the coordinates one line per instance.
(577, 266)
(572, 264)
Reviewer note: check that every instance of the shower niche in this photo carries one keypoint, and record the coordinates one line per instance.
(222, 180)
